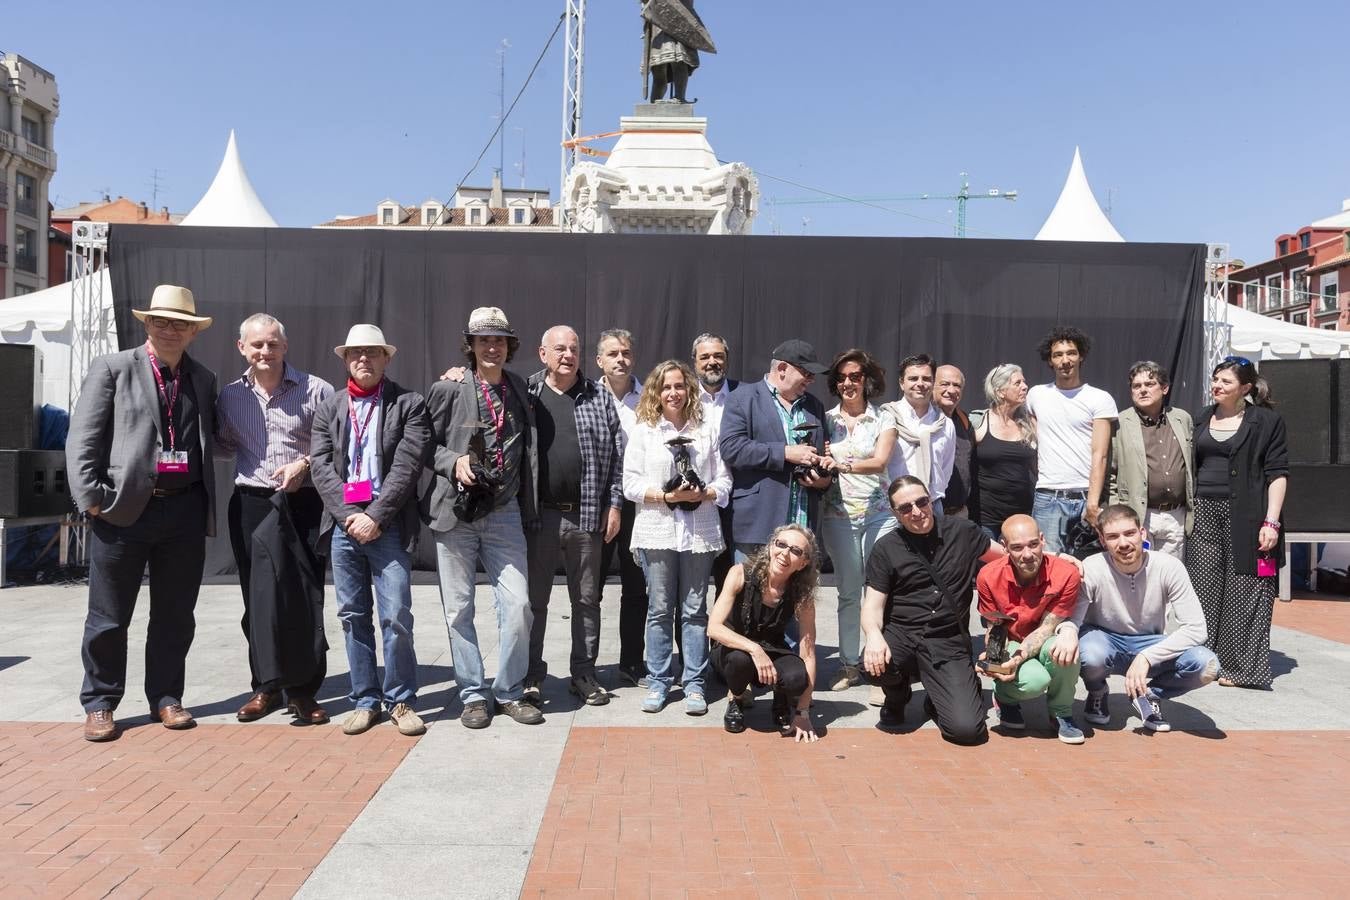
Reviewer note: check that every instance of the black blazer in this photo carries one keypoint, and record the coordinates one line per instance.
(1257, 455)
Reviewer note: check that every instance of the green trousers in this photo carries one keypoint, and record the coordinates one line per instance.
(1038, 676)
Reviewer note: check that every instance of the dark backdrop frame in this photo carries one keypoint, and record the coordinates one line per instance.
(974, 303)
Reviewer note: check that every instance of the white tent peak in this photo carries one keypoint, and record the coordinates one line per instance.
(1077, 215)
(231, 200)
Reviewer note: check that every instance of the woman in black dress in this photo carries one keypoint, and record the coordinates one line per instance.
(747, 624)
(1006, 455)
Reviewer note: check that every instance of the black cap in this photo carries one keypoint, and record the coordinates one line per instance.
(800, 354)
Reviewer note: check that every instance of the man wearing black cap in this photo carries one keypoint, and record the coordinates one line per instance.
(765, 435)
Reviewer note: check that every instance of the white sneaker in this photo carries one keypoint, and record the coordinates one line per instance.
(1149, 710)
(408, 722)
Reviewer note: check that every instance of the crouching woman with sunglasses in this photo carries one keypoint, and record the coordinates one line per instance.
(759, 598)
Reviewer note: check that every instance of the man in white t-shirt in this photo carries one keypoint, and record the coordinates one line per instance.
(926, 447)
(1073, 434)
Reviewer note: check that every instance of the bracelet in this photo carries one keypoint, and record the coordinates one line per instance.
(1270, 523)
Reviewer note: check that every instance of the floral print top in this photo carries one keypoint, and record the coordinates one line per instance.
(857, 497)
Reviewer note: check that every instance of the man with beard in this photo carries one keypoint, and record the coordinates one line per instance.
(709, 355)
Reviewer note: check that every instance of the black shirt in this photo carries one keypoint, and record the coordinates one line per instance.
(959, 487)
(1211, 464)
(894, 567)
(559, 447)
(187, 434)
(507, 404)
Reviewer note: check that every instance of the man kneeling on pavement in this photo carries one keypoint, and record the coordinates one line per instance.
(1038, 592)
(1122, 614)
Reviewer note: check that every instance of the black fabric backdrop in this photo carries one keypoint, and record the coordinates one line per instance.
(974, 303)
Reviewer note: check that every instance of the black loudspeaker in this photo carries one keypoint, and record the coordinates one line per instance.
(1318, 499)
(21, 400)
(33, 483)
(1340, 401)
(1307, 394)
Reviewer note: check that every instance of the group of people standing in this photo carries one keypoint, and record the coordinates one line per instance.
(683, 475)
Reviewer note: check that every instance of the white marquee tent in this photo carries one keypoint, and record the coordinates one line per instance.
(231, 199)
(1259, 337)
(1077, 216)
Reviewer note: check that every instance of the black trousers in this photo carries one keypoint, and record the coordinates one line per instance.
(170, 539)
(942, 660)
(738, 670)
(245, 514)
(633, 590)
(727, 558)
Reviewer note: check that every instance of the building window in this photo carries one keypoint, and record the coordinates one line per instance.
(476, 215)
(1300, 286)
(1304, 240)
(1274, 291)
(32, 133)
(1330, 326)
(518, 216)
(387, 216)
(430, 216)
(1251, 296)
(1329, 289)
(25, 194)
(25, 249)
(21, 289)
(1299, 318)
(1283, 246)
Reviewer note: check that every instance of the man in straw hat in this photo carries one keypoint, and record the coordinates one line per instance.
(138, 460)
(369, 445)
(483, 428)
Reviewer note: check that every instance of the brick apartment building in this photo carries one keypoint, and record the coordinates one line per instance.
(1307, 282)
(493, 208)
(119, 211)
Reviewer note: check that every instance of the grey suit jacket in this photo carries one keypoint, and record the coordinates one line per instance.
(114, 440)
(404, 446)
(453, 405)
(1127, 470)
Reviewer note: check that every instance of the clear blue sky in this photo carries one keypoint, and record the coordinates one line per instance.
(1201, 121)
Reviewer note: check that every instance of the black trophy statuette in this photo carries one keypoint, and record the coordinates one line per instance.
(473, 501)
(805, 435)
(996, 653)
(686, 476)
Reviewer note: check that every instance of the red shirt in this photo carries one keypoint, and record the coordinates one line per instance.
(1054, 590)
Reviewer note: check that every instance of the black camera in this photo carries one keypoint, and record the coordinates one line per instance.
(804, 434)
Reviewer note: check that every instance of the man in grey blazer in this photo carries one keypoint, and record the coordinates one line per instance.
(485, 491)
(1152, 461)
(369, 445)
(138, 460)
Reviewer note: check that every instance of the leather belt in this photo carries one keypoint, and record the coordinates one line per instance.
(1063, 494)
(1167, 507)
(171, 492)
(562, 507)
(253, 490)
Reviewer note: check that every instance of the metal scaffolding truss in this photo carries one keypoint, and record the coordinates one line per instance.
(1217, 330)
(574, 62)
(94, 333)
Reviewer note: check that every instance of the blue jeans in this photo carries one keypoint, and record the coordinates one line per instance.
(499, 541)
(1056, 516)
(389, 566)
(848, 546)
(677, 577)
(1102, 653)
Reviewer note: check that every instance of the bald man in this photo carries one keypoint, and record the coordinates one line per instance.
(580, 496)
(948, 387)
(1039, 591)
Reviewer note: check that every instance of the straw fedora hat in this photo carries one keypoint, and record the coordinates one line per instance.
(364, 336)
(170, 301)
(488, 320)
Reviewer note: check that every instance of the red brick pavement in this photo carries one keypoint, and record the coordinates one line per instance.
(1328, 619)
(657, 812)
(221, 810)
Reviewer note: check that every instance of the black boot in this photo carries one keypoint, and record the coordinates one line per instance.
(734, 719)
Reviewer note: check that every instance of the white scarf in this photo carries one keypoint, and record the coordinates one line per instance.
(920, 436)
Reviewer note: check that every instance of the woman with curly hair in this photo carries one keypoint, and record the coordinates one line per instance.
(748, 624)
(676, 529)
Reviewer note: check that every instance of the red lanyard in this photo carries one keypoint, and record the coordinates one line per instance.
(170, 400)
(498, 418)
(359, 428)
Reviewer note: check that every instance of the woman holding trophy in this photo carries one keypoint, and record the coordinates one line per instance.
(674, 474)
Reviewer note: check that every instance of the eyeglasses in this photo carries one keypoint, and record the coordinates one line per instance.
(780, 544)
(850, 377)
(1240, 360)
(369, 352)
(905, 509)
(175, 324)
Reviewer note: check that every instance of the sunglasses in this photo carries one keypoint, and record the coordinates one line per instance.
(175, 324)
(780, 544)
(905, 509)
(1240, 360)
(850, 377)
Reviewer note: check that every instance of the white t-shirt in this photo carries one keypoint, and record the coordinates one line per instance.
(1064, 433)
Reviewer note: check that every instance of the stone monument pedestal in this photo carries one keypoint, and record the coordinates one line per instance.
(662, 177)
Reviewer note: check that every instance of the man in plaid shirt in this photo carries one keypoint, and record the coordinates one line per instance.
(580, 495)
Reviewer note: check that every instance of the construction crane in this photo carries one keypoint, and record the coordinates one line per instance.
(960, 197)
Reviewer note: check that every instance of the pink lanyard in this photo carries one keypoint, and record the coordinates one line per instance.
(359, 428)
(170, 400)
(498, 418)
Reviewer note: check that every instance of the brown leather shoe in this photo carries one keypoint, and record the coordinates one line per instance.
(306, 711)
(173, 717)
(99, 725)
(259, 705)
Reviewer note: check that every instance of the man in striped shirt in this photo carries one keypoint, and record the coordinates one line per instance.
(264, 419)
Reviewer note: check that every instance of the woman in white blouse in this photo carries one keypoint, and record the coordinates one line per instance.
(677, 544)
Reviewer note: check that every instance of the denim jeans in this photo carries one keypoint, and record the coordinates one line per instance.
(499, 541)
(677, 577)
(1056, 516)
(1102, 652)
(848, 546)
(384, 562)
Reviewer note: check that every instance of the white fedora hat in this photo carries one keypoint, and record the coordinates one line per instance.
(364, 336)
(170, 301)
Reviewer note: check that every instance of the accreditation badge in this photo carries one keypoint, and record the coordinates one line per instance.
(356, 491)
(172, 461)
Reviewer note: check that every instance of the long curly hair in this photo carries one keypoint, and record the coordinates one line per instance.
(649, 404)
(802, 584)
